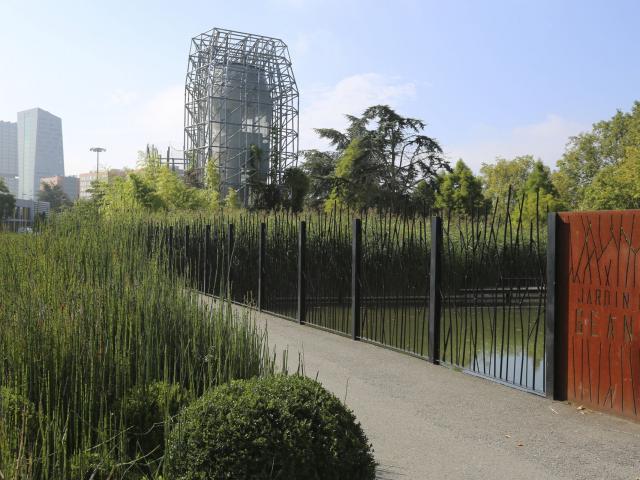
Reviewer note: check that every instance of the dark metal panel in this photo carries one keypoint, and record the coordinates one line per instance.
(261, 249)
(229, 266)
(206, 260)
(302, 247)
(356, 260)
(551, 353)
(434, 290)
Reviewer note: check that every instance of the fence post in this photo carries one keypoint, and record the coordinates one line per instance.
(302, 287)
(356, 259)
(262, 243)
(553, 345)
(230, 245)
(186, 261)
(170, 239)
(435, 297)
(205, 268)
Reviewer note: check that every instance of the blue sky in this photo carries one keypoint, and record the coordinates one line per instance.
(490, 78)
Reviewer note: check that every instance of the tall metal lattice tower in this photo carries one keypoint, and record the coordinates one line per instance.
(241, 108)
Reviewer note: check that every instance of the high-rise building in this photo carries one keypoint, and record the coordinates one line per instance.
(39, 150)
(69, 185)
(9, 155)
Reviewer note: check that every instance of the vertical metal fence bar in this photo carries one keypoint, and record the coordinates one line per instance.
(229, 266)
(356, 261)
(553, 347)
(186, 259)
(302, 290)
(170, 249)
(262, 242)
(205, 262)
(434, 290)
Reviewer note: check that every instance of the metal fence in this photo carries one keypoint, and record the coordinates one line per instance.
(327, 271)
(464, 290)
(493, 295)
(395, 281)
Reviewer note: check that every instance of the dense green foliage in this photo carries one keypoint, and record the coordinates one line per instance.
(460, 191)
(16, 412)
(296, 187)
(55, 196)
(319, 167)
(145, 408)
(381, 157)
(277, 427)
(101, 343)
(616, 186)
(7, 201)
(383, 161)
(521, 178)
(503, 175)
(593, 156)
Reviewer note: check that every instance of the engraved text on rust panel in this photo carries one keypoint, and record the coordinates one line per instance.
(603, 331)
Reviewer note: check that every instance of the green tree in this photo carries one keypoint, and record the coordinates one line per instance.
(460, 190)
(616, 186)
(541, 195)
(149, 160)
(423, 197)
(133, 192)
(503, 174)
(319, 167)
(263, 195)
(355, 182)
(152, 188)
(588, 153)
(393, 155)
(97, 191)
(232, 201)
(7, 201)
(56, 197)
(176, 194)
(212, 182)
(296, 187)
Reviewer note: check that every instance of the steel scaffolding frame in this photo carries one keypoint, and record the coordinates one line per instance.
(211, 126)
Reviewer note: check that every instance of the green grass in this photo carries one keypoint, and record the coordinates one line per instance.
(88, 312)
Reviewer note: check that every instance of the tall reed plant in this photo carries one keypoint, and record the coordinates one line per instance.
(90, 315)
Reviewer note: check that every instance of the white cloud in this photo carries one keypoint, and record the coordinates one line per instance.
(326, 107)
(545, 140)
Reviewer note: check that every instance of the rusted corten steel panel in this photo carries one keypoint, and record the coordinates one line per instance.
(599, 270)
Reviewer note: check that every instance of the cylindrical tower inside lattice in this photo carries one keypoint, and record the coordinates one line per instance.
(241, 109)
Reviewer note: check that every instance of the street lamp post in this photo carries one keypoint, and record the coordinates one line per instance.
(97, 150)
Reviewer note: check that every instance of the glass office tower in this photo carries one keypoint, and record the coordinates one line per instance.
(39, 150)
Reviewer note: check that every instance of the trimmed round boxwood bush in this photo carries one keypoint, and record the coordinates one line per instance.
(276, 427)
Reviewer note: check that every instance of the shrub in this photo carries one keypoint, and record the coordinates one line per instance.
(146, 409)
(275, 427)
